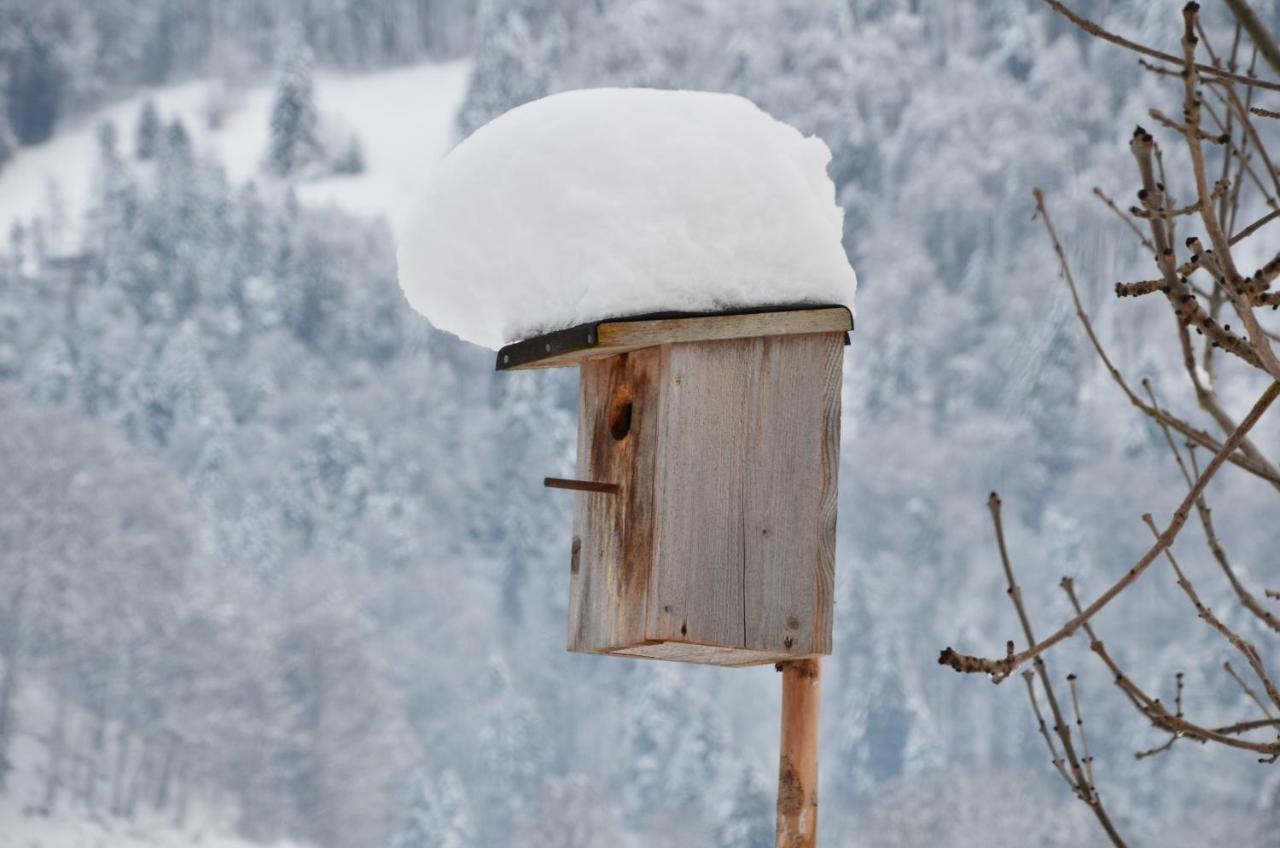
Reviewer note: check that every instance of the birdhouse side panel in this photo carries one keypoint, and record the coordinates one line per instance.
(613, 534)
(696, 591)
(746, 496)
(793, 459)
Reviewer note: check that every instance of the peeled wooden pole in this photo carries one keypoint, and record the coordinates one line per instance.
(798, 764)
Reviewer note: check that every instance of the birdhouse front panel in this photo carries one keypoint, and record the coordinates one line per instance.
(718, 544)
(613, 536)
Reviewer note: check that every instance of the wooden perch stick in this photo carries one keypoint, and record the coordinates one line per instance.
(582, 485)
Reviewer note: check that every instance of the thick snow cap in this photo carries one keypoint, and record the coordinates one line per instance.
(606, 203)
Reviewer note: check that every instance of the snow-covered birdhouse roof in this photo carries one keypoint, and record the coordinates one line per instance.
(606, 203)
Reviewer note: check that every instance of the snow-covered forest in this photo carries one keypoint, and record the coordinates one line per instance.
(276, 563)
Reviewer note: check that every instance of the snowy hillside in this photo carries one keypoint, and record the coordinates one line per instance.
(403, 117)
(23, 828)
(68, 830)
(26, 821)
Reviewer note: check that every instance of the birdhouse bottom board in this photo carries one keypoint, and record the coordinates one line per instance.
(719, 546)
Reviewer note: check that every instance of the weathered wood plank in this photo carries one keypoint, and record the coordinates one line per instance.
(618, 420)
(696, 591)
(720, 327)
(703, 654)
(749, 449)
(609, 338)
(573, 357)
(789, 491)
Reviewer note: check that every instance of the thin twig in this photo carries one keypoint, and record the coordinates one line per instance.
(1123, 217)
(1244, 646)
(1173, 737)
(1247, 599)
(1159, 749)
(1168, 437)
(1257, 32)
(1255, 226)
(1200, 437)
(1246, 137)
(1259, 346)
(1156, 714)
(1058, 763)
(1097, 31)
(1248, 690)
(1079, 776)
(1084, 740)
(1246, 726)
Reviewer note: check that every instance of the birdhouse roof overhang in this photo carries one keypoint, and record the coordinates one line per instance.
(612, 336)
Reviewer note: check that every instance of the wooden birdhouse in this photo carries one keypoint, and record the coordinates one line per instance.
(708, 449)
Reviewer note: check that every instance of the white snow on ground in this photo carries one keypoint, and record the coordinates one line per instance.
(403, 118)
(72, 830)
(611, 202)
(70, 824)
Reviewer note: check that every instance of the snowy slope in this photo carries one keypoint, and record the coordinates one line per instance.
(403, 117)
(69, 830)
(71, 825)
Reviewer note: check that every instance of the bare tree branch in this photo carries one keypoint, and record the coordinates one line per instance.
(1257, 32)
(999, 669)
(1198, 436)
(1080, 777)
(1098, 32)
(1247, 599)
(1244, 646)
(1157, 714)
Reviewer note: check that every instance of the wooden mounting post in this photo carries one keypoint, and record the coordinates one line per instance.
(798, 764)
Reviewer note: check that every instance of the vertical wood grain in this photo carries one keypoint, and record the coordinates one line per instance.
(789, 491)
(613, 534)
(749, 445)
(696, 590)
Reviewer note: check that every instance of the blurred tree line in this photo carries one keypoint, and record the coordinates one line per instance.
(67, 56)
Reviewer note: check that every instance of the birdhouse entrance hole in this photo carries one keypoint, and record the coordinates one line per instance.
(620, 414)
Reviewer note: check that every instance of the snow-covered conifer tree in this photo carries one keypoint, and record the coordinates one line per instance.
(569, 812)
(437, 815)
(672, 749)
(515, 751)
(8, 144)
(521, 41)
(294, 124)
(146, 137)
(177, 141)
(35, 81)
(749, 821)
